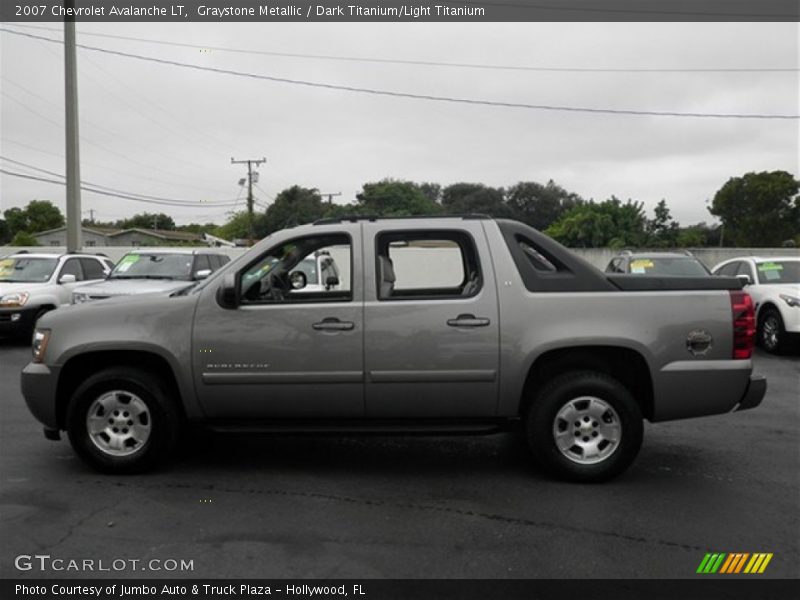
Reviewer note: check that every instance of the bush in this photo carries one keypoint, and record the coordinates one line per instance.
(23, 238)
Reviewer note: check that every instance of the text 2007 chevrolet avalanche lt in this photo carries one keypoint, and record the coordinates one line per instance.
(459, 324)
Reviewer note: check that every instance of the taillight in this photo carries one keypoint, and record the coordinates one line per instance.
(744, 324)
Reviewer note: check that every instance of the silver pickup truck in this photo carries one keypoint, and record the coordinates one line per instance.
(457, 325)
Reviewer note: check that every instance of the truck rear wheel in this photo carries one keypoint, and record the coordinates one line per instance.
(121, 420)
(584, 426)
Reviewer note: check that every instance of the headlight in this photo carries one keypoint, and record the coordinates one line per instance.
(79, 297)
(39, 345)
(14, 299)
(790, 300)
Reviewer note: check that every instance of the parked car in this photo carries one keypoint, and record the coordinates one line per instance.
(320, 273)
(658, 263)
(153, 271)
(32, 284)
(512, 331)
(774, 284)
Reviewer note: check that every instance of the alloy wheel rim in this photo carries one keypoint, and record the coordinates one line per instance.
(118, 423)
(587, 430)
(770, 332)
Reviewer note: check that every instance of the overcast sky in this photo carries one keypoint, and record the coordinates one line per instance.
(170, 132)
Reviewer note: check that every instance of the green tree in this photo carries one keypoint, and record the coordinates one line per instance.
(395, 198)
(540, 205)
(198, 227)
(662, 230)
(237, 227)
(17, 219)
(468, 198)
(147, 221)
(759, 209)
(38, 215)
(694, 236)
(5, 232)
(598, 224)
(295, 206)
(23, 238)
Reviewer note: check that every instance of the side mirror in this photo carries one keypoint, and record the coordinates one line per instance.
(298, 280)
(67, 278)
(202, 274)
(744, 278)
(228, 293)
(331, 281)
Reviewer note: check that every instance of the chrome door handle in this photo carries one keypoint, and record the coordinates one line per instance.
(333, 324)
(468, 321)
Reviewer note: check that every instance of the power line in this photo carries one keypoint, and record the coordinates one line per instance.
(114, 195)
(429, 97)
(126, 192)
(104, 167)
(26, 107)
(164, 124)
(431, 63)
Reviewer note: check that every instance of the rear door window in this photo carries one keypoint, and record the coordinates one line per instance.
(426, 264)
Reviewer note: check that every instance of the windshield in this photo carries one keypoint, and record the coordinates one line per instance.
(27, 269)
(779, 271)
(684, 266)
(142, 265)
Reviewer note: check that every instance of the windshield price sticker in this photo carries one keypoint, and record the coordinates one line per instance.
(126, 262)
(770, 267)
(6, 266)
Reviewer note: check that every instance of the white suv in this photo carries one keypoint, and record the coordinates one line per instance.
(31, 284)
(774, 285)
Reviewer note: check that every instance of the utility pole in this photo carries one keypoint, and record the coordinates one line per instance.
(250, 163)
(155, 222)
(330, 196)
(74, 237)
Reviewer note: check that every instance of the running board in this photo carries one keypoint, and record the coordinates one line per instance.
(363, 427)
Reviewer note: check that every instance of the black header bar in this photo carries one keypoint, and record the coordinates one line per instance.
(397, 11)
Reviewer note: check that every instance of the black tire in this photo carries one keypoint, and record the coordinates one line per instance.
(771, 331)
(162, 417)
(540, 422)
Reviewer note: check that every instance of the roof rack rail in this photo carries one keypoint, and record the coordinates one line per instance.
(356, 218)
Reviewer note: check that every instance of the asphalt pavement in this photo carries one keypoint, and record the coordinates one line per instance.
(419, 507)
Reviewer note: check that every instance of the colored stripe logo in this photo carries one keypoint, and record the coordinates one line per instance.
(734, 563)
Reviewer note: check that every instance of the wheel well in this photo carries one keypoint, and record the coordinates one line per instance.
(766, 306)
(623, 364)
(78, 368)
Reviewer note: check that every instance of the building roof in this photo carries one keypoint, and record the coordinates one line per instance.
(92, 229)
(183, 236)
(178, 236)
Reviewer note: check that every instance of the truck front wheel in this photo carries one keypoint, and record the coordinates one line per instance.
(121, 420)
(584, 426)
